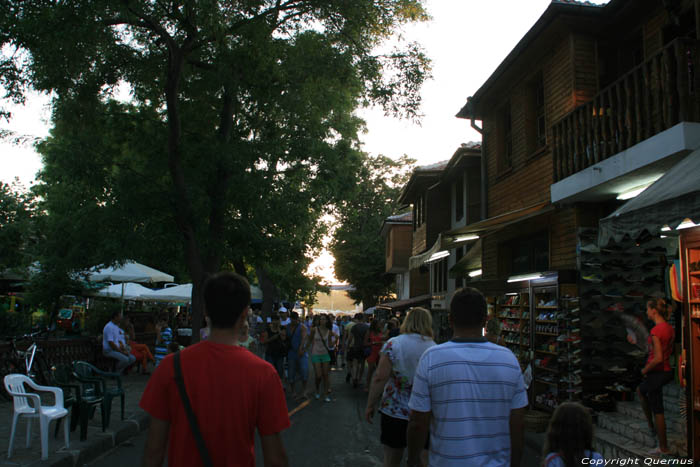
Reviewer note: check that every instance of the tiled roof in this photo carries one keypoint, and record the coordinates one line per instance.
(405, 217)
(437, 166)
(472, 145)
(579, 2)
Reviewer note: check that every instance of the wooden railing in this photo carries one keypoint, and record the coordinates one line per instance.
(647, 100)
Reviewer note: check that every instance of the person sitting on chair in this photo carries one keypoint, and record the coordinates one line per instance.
(114, 343)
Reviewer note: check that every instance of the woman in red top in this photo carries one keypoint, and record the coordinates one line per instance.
(657, 371)
(374, 338)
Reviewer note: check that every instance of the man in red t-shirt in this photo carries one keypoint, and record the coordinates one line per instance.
(232, 392)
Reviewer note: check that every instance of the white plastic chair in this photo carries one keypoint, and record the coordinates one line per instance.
(28, 405)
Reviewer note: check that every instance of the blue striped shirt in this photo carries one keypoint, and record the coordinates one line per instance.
(470, 387)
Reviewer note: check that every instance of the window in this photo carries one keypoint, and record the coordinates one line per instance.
(530, 254)
(459, 198)
(473, 196)
(506, 153)
(418, 212)
(439, 275)
(459, 281)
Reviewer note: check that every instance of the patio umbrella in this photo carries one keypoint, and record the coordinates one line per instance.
(131, 271)
(183, 293)
(127, 290)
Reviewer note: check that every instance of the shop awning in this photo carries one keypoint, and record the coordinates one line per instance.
(469, 262)
(414, 262)
(503, 220)
(667, 202)
(403, 304)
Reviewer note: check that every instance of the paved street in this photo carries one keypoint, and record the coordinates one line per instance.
(322, 434)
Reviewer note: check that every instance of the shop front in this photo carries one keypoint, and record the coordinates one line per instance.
(667, 214)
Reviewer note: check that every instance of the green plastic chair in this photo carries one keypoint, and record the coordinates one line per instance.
(84, 396)
(107, 386)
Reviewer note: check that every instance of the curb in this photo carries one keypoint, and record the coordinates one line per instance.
(99, 444)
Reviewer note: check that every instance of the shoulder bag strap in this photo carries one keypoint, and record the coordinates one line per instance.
(201, 445)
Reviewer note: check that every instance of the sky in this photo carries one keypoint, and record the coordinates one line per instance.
(466, 40)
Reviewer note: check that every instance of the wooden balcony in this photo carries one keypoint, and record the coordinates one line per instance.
(649, 99)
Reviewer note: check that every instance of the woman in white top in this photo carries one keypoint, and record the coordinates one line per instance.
(393, 382)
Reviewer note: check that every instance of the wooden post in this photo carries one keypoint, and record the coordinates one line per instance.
(610, 112)
(620, 113)
(628, 109)
(590, 143)
(681, 79)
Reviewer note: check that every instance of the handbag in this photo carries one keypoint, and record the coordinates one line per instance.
(191, 417)
(323, 341)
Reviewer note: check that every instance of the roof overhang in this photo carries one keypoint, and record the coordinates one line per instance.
(498, 222)
(403, 304)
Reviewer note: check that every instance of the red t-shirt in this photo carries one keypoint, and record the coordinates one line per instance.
(232, 392)
(665, 333)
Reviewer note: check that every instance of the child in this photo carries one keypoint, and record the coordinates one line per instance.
(164, 336)
(570, 437)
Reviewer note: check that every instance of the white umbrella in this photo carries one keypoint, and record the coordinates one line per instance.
(179, 293)
(183, 293)
(131, 271)
(128, 290)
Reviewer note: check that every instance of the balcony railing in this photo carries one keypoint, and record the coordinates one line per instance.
(647, 100)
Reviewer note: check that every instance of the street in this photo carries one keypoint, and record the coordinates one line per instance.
(322, 434)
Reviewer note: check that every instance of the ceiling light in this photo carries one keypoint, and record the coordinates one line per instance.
(665, 228)
(475, 273)
(438, 255)
(686, 224)
(633, 192)
(526, 277)
(465, 238)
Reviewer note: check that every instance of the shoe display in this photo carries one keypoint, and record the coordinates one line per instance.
(634, 278)
(617, 307)
(590, 248)
(615, 264)
(613, 293)
(592, 277)
(634, 294)
(593, 293)
(612, 249)
(613, 278)
(656, 249)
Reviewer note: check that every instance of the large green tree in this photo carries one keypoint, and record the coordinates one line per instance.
(358, 248)
(248, 103)
(17, 233)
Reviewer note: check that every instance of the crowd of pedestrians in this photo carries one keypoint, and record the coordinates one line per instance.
(458, 403)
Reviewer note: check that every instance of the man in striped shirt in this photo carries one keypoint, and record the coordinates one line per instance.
(469, 393)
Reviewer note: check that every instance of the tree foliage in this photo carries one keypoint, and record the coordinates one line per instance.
(240, 129)
(358, 248)
(17, 234)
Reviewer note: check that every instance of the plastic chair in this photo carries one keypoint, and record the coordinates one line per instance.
(84, 395)
(28, 405)
(87, 373)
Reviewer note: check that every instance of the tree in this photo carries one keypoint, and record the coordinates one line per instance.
(17, 212)
(358, 248)
(252, 97)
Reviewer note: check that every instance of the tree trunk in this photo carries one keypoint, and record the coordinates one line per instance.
(269, 291)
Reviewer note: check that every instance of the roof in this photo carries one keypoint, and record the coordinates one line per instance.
(399, 219)
(667, 202)
(403, 304)
(467, 153)
(421, 178)
(555, 9)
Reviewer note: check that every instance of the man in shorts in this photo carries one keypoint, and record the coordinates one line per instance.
(357, 348)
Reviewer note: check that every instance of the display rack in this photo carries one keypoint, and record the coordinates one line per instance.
(690, 258)
(513, 310)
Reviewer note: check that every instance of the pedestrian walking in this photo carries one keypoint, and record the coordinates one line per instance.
(657, 371)
(274, 338)
(347, 341)
(374, 339)
(469, 393)
(297, 357)
(230, 393)
(569, 440)
(357, 348)
(393, 381)
(321, 338)
(164, 336)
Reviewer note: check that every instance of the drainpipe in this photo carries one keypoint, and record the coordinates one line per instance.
(484, 181)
